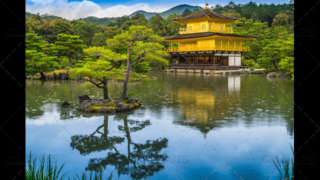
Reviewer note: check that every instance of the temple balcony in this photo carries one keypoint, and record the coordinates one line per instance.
(219, 29)
(211, 48)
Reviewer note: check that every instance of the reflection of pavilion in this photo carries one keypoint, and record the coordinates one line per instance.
(234, 83)
(202, 107)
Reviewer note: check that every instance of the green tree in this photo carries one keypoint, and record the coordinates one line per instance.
(40, 56)
(138, 16)
(272, 53)
(101, 70)
(280, 20)
(141, 45)
(186, 12)
(98, 40)
(287, 61)
(46, 30)
(86, 31)
(62, 27)
(69, 45)
(157, 24)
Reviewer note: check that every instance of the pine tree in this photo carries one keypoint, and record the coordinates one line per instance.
(69, 45)
(141, 45)
(40, 56)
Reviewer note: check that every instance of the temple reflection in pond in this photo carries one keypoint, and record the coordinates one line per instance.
(208, 109)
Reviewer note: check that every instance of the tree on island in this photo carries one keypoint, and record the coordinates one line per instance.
(141, 45)
(40, 56)
(101, 70)
(69, 45)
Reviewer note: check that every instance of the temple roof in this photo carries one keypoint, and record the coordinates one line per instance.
(203, 34)
(204, 13)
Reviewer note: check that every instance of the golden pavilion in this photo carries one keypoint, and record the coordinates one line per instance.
(207, 43)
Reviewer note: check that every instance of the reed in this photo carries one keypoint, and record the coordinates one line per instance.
(284, 166)
(50, 172)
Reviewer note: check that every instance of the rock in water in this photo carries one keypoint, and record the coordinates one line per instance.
(271, 75)
(65, 104)
(282, 75)
(133, 100)
(154, 78)
(118, 103)
(83, 97)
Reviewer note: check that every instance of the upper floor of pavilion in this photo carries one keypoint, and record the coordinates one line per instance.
(206, 21)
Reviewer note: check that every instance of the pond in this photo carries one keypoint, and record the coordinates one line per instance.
(190, 126)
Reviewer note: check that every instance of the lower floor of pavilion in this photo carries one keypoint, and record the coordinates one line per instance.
(206, 60)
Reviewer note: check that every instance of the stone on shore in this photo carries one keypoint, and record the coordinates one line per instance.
(282, 75)
(271, 75)
(83, 97)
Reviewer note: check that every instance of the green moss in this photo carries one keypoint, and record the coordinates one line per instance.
(96, 107)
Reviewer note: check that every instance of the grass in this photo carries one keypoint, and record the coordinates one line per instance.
(284, 167)
(51, 172)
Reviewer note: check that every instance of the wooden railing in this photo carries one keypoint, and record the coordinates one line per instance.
(220, 29)
(211, 48)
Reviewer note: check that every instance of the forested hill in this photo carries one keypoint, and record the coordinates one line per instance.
(251, 10)
(177, 9)
(105, 21)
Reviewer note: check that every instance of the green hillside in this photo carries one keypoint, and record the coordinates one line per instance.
(105, 21)
(177, 9)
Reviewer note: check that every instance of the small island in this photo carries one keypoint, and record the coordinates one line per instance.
(111, 105)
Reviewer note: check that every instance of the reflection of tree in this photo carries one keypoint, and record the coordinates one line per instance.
(87, 144)
(141, 159)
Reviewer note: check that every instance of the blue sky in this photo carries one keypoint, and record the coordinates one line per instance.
(71, 9)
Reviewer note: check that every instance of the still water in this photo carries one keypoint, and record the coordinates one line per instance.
(190, 126)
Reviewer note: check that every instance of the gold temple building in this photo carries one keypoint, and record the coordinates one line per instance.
(207, 43)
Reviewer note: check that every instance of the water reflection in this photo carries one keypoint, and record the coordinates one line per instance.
(223, 109)
(141, 159)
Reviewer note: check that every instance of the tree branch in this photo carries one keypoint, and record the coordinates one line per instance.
(114, 65)
(95, 84)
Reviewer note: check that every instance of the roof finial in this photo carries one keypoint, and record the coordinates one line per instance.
(206, 6)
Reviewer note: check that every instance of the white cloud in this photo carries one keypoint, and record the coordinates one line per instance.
(75, 9)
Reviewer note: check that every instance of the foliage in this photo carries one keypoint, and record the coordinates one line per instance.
(141, 67)
(40, 56)
(69, 45)
(280, 50)
(186, 12)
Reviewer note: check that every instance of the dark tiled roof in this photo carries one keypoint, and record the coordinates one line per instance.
(203, 34)
(203, 13)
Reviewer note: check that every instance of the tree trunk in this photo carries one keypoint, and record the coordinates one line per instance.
(275, 66)
(105, 126)
(70, 62)
(105, 89)
(125, 86)
(126, 127)
(43, 76)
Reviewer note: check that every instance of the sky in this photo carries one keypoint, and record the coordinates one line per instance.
(75, 9)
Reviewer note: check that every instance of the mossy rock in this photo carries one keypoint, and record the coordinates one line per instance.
(106, 106)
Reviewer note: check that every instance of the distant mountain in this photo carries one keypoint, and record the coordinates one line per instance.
(177, 9)
(46, 16)
(105, 21)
